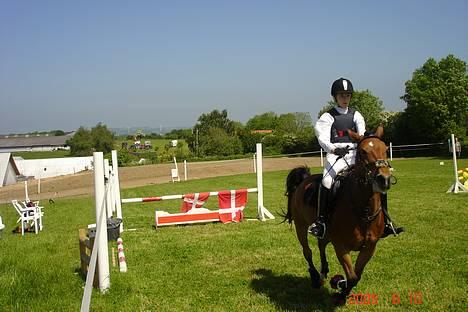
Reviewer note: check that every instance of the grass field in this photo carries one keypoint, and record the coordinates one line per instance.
(42, 155)
(250, 266)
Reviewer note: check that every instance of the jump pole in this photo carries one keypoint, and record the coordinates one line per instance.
(101, 224)
(457, 186)
(116, 187)
(100, 254)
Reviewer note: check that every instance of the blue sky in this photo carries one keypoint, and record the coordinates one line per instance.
(66, 64)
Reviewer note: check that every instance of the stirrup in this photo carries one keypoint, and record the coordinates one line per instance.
(318, 229)
(390, 229)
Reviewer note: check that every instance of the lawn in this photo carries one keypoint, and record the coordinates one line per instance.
(43, 154)
(249, 266)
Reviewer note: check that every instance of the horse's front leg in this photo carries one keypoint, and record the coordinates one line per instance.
(301, 231)
(365, 254)
(352, 278)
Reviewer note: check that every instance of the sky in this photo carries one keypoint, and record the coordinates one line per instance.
(66, 64)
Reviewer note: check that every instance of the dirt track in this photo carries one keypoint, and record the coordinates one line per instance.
(82, 184)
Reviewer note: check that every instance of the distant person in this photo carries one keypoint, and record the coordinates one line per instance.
(331, 130)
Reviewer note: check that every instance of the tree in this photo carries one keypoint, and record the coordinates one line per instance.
(80, 144)
(200, 142)
(370, 107)
(85, 142)
(215, 119)
(265, 121)
(437, 100)
(217, 142)
(102, 138)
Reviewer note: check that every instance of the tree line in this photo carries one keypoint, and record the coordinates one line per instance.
(437, 105)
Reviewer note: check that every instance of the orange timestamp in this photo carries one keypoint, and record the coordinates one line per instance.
(413, 297)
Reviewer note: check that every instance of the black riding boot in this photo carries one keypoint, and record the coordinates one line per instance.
(319, 227)
(389, 228)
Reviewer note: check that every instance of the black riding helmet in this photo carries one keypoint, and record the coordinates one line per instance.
(341, 85)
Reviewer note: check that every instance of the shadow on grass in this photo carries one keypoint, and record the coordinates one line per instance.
(291, 293)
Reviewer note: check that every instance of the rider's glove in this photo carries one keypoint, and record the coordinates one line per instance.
(341, 151)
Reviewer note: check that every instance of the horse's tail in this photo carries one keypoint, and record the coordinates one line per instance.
(295, 177)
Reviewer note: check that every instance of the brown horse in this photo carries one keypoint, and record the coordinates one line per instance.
(356, 221)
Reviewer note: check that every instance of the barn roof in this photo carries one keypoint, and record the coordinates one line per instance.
(35, 141)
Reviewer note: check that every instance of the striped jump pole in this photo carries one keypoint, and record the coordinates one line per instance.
(168, 197)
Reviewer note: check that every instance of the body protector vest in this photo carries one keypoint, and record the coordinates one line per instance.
(342, 122)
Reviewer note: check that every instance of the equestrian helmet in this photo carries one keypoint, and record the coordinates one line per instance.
(341, 85)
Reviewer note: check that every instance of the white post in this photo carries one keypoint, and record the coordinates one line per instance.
(321, 157)
(116, 188)
(107, 184)
(111, 190)
(26, 195)
(175, 163)
(457, 185)
(262, 211)
(185, 170)
(101, 224)
(254, 163)
(39, 186)
(391, 151)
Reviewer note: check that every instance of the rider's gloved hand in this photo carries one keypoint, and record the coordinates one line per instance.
(341, 151)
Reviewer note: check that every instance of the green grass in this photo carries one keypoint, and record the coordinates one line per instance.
(250, 266)
(42, 155)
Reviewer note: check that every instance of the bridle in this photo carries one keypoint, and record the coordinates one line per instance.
(366, 174)
(371, 168)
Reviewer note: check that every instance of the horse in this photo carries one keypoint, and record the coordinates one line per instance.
(356, 219)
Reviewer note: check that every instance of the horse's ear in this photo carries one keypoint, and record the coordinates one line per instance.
(379, 132)
(354, 135)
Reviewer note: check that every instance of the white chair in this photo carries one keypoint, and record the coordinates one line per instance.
(31, 216)
(35, 204)
(175, 175)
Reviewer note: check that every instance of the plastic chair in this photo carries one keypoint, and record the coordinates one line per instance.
(31, 216)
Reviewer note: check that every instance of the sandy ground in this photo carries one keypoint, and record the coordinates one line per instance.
(82, 184)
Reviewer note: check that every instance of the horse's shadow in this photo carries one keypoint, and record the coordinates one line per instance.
(290, 292)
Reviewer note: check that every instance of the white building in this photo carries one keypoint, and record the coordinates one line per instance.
(8, 170)
(10, 144)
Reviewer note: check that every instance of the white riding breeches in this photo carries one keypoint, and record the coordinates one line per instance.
(331, 168)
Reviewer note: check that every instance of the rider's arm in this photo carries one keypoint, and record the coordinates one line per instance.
(323, 131)
(360, 123)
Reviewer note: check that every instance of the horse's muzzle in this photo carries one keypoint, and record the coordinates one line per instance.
(382, 182)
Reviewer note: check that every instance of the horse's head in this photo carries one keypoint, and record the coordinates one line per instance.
(372, 155)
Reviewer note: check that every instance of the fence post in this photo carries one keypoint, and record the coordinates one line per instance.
(391, 151)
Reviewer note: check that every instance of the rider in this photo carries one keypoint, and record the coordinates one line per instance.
(331, 130)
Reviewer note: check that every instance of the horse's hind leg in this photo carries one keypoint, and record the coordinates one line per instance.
(322, 244)
(301, 232)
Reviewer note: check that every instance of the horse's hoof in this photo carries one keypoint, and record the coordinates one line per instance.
(334, 281)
